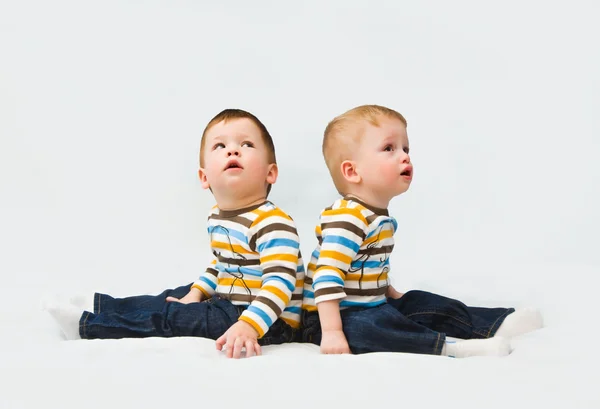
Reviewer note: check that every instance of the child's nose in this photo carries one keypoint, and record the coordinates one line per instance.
(233, 151)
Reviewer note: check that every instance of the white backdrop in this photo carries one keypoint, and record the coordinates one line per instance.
(102, 106)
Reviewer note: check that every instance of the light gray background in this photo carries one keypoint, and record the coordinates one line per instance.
(102, 105)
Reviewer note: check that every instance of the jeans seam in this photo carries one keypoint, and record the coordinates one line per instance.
(494, 324)
(98, 306)
(82, 326)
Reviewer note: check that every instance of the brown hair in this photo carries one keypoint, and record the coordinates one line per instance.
(349, 125)
(232, 114)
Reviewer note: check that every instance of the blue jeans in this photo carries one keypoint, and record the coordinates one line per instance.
(151, 316)
(418, 322)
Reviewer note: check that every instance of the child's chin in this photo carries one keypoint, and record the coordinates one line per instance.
(401, 189)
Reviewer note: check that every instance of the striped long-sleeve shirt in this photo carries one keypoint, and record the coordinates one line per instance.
(257, 262)
(351, 261)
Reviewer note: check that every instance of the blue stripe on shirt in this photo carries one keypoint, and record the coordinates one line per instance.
(263, 315)
(370, 264)
(328, 279)
(210, 283)
(289, 285)
(278, 243)
(342, 241)
(344, 303)
(218, 229)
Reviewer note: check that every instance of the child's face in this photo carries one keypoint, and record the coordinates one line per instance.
(383, 162)
(236, 164)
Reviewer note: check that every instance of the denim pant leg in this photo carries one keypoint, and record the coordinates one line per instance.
(105, 303)
(279, 333)
(450, 316)
(208, 319)
(378, 329)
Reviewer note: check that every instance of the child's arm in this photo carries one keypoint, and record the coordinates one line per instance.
(393, 293)
(202, 289)
(343, 231)
(277, 243)
(333, 339)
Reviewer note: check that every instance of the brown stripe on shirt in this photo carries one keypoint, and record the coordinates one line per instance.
(271, 304)
(371, 218)
(237, 261)
(235, 219)
(377, 250)
(212, 271)
(346, 226)
(279, 269)
(329, 290)
(268, 229)
(365, 292)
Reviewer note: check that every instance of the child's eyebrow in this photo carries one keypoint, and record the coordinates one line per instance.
(237, 135)
(390, 139)
(395, 138)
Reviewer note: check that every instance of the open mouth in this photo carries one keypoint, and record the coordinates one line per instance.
(233, 165)
(407, 172)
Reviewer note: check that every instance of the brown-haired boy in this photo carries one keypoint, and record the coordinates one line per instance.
(251, 292)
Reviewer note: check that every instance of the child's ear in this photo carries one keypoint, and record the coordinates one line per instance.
(272, 174)
(203, 179)
(349, 172)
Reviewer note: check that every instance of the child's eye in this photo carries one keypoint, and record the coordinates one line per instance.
(218, 146)
(406, 150)
(248, 144)
(389, 148)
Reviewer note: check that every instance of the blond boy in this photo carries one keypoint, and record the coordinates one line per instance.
(346, 302)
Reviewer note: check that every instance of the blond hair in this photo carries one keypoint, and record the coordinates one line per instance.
(344, 131)
(232, 114)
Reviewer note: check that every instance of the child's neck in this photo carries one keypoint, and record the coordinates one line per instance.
(239, 203)
(370, 199)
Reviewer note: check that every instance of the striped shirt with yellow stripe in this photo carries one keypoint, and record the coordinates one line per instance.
(257, 262)
(351, 261)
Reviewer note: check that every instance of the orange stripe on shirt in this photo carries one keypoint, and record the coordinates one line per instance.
(336, 255)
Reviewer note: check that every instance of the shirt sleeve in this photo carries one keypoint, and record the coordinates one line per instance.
(343, 232)
(207, 283)
(278, 246)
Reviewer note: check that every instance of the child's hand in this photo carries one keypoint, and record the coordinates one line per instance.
(393, 293)
(334, 342)
(239, 335)
(194, 295)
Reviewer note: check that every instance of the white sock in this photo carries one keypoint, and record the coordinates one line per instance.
(496, 346)
(520, 322)
(67, 316)
(84, 302)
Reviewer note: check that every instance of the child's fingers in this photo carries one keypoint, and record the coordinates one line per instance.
(220, 342)
(237, 347)
(257, 349)
(229, 349)
(171, 299)
(250, 351)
